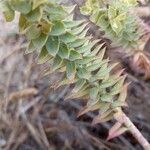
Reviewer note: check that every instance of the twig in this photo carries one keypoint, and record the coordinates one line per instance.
(23, 93)
(133, 130)
(14, 51)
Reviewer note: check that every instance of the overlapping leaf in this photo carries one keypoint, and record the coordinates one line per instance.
(61, 41)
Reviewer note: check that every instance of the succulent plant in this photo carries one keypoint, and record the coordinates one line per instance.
(62, 42)
(117, 20)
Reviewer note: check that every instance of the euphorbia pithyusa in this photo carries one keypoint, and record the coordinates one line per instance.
(63, 43)
(122, 26)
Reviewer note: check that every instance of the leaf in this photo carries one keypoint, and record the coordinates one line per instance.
(8, 13)
(71, 24)
(65, 81)
(101, 53)
(57, 28)
(57, 63)
(89, 108)
(64, 52)
(104, 71)
(79, 94)
(112, 12)
(33, 32)
(74, 55)
(78, 85)
(109, 82)
(31, 48)
(22, 6)
(116, 130)
(79, 29)
(85, 47)
(37, 3)
(67, 37)
(52, 45)
(105, 106)
(68, 18)
(23, 24)
(93, 93)
(106, 97)
(40, 41)
(43, 56)
(55, 12)
(77, 43)
(83, 34)
(70, 70)
(84, 60)
(117, 103)
(45, 26)
(83, 73)
(116, 25)
(103, 117)
(93, 66)
(121, 17)
(98, 49)
(34, 15)
(117, 87)
(69, 9)
(123, 93)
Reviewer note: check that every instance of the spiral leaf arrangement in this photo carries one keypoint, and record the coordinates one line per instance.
(63, 42)
(117, 20)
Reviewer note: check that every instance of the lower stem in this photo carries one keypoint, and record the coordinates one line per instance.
(134, 131)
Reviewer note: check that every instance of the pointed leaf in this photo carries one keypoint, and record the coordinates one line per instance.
(116, 130)
(70, 70)
(8, 13)
(57, 63)
(77, 43)
(40, 41)
(93, 93)
(78, 86)
(57, 28)
(64, 52)
(37, 3)
(123, 93)
(83, 73)
(65, 81)
(79, 94)
(52, 45)
(34, 15)
(46, 26)
(106, 97)
(43, 56)
(23, 24)
(33, 32)
(31, 48)
(103, 118)
(21, 6)
(84, 60)
(69, 9)
(79, 29)
(74, 55)
(71, 24)
(67, 37)
(88, 108)
(117, 87)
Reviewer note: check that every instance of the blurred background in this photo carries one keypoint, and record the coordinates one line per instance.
(34, 116)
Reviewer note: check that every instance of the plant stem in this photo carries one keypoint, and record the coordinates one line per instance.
(134, 131)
